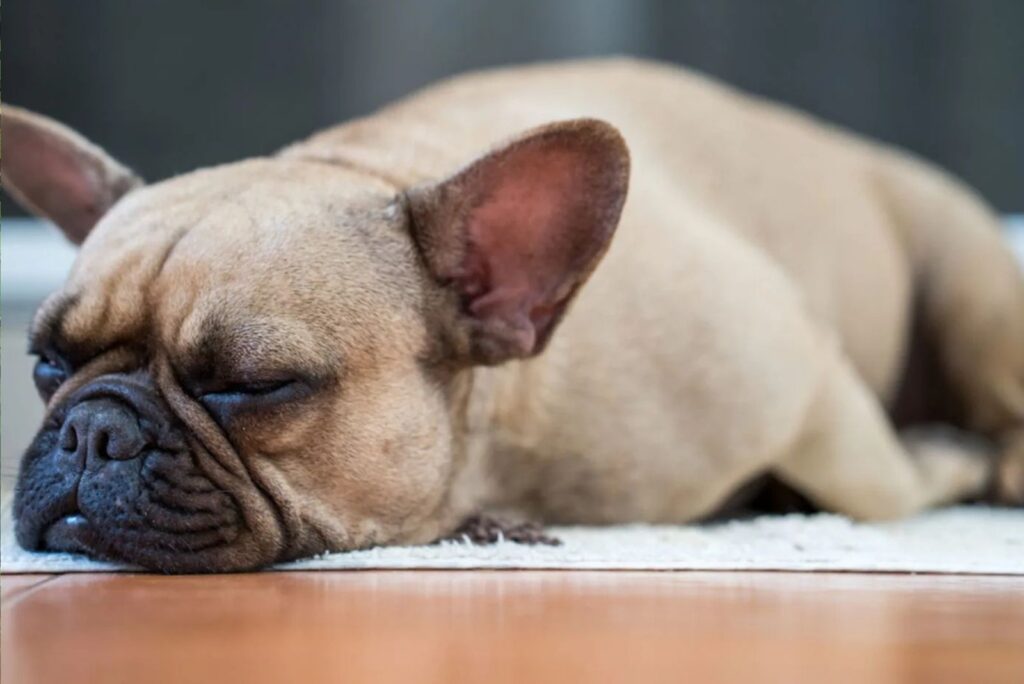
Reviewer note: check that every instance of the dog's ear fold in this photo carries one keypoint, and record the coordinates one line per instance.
(517, 231)
(56, 173)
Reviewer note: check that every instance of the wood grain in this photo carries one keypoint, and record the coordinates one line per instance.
(437, 626)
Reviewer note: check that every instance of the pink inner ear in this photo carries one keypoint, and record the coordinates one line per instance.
(528, 237)
(48, 173)
(516, 232)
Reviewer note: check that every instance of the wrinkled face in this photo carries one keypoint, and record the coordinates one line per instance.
(238, 371)
(265, 360)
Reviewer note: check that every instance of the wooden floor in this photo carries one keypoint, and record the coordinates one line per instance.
(436, 626)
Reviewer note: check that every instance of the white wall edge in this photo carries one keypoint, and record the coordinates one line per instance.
(34, 261)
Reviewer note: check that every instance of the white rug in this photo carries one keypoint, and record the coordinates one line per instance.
(971, 540)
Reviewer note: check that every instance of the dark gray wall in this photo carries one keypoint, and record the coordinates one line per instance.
(171, 85)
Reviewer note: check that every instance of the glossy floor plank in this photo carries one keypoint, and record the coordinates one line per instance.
(517, 626)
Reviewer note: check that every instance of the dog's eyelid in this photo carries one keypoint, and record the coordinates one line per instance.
(241, 384)
(35, 348)
(255, 382)
(47, 352)
(41, 341)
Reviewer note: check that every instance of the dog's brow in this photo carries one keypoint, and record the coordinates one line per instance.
(251, 348)
(45, 332)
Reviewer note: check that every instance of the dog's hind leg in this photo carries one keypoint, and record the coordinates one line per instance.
(850, 460)
(969, 288)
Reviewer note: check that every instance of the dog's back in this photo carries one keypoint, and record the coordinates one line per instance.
(849, 221)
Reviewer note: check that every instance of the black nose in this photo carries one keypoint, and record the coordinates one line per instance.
(102, 428)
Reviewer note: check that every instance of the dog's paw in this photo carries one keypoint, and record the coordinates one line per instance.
(488, 529)
(1009, 485)
(954, 465)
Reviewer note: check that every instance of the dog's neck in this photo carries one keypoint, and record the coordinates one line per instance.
(375, 148)
(498, 427)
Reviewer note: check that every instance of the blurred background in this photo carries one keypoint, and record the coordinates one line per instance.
(169, 85)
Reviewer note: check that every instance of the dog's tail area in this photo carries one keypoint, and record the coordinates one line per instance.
(970, 286)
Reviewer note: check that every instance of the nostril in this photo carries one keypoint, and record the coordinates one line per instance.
(120, 442)
(103, 429)
(102, 444)
(69, 438)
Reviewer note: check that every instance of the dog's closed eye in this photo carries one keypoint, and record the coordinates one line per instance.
(226, 400)
(48, 375)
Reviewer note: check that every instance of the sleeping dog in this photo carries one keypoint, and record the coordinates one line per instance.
(591, 292)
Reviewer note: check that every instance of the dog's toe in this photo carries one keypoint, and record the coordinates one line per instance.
(488, 529)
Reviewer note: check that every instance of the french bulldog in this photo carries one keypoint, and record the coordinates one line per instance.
(352, 342)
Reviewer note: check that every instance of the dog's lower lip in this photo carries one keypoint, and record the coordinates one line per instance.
(67, 534)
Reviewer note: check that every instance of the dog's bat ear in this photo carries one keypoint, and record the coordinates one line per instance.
(518, 230)
(56, 173)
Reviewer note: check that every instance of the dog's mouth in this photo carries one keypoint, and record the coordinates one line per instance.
(136, 512)
(108, 480)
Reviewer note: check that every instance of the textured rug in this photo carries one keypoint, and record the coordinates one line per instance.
(971, 540)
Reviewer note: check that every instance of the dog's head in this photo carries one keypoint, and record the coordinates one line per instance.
(256, 362)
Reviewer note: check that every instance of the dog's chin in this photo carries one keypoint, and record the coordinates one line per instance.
(235, 551)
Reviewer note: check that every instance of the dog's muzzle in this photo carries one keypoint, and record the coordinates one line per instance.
(111, 474)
